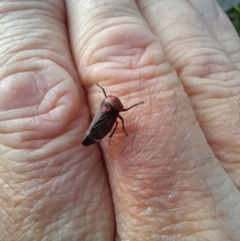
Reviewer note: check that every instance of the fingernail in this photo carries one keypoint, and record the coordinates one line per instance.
(207, 9)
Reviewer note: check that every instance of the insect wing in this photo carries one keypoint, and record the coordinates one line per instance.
(101, 124)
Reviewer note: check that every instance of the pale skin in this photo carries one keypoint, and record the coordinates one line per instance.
(174, 177)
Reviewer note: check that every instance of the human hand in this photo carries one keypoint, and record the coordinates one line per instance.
(176, 176)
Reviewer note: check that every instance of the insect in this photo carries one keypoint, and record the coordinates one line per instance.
(105, 119)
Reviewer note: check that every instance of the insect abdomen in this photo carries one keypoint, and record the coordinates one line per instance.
(101, 124)
(87, 141)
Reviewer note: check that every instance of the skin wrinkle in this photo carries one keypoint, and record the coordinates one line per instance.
(90, 45)
(193, 178)
(160, 126)
(167, 177)
(30, 224)
(129, 66)
(229, 114)
(155, 134)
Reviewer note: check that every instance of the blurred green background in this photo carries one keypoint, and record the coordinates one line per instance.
(232, 8)
(234, 15)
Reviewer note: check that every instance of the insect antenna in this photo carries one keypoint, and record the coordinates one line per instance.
(132, 106)
(104, 92)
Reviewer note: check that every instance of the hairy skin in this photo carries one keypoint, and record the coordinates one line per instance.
(175, 177)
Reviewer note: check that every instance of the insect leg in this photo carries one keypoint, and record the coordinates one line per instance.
(115, 127)
(120, 117)
(104, 92)
(132, 106)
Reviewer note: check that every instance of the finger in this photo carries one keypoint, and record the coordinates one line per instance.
(163, 175)
(208, 74)
(48, 188)
(221, 26)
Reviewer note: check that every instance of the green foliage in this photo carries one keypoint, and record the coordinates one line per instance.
(234, 15)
